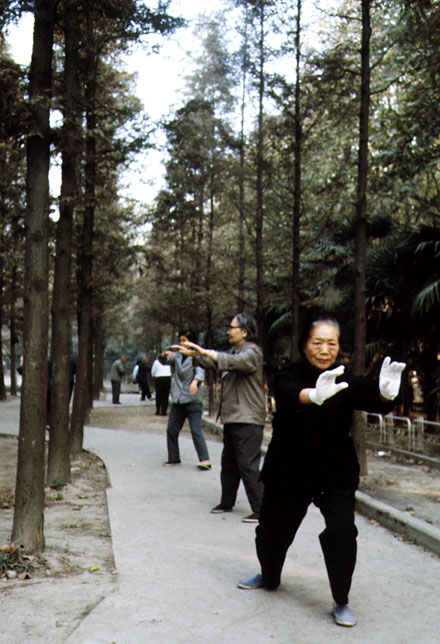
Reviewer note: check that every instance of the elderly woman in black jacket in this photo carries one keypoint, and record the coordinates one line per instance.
(311, 459)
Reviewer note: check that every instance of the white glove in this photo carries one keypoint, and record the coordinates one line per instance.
(389, 378)
(326, 387)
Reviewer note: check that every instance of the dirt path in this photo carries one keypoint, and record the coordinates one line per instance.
(75, 571)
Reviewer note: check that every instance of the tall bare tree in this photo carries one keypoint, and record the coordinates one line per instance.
(259, 215)
(28, 524)
(361, 227)
(13, 116)
(59, 453)
(2, 271)
(241, 177)
(83, 395)
(297, 148)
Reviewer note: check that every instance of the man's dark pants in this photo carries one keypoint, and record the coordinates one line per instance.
(116, 390)
(241, 462)
(163, 385)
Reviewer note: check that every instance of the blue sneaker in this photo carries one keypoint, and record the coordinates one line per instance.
(251, 583)
(344, 616)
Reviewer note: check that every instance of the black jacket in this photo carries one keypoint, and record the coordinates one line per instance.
(311, 445)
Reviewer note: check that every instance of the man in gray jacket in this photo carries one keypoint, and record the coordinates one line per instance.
(242, 411)
(117, 372)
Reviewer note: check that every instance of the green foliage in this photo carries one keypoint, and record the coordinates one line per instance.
(13, 124)
(186, 271)
(12, 11)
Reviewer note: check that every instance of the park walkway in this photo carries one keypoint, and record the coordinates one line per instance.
(178, 565)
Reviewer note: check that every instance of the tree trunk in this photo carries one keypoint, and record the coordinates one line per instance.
(28, 525)
(259, 210)
(83, 397)
(2, 375)
(208, 293)
(98, 366)
(208, 282)
(241, 302)
(361, 230)
(295, 294)
(196, 267)
(13, 323)
(59, 449)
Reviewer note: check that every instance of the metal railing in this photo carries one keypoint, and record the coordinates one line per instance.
(417, 435)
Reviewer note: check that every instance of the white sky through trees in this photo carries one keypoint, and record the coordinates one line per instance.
(160, 83)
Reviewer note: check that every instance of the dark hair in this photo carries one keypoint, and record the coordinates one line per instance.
(190, 334)
(247, 322)
(311, 322)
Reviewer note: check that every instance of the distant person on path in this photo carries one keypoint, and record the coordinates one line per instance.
(242, 411)
(117, 372)
(186, 403)
(142, 378)
(134, 375)
(311, 458)
(162, 382)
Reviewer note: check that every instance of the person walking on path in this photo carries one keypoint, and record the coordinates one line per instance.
(162, 382)
(142, 378)
(311, 459)
(117, 372)
(186, 403)
(242, 411)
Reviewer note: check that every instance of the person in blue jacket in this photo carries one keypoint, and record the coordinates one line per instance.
(311, 459)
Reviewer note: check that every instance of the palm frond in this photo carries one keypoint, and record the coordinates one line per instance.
(428, 299)
(282, 324)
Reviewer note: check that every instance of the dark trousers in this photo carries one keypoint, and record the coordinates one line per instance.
(178, 414)
(116, 390)
(241, 462)
(163, 386)
(280, 517)
(145, 389)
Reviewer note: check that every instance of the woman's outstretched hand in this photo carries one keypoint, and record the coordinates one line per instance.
(390, 377)
(326, 387)
(189, 349)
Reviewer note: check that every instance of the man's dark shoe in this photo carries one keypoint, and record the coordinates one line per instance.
(171, 463)
(221, 508)
(251, 583)
(252, 518)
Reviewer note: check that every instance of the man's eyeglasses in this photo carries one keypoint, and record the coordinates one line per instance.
(231, 326)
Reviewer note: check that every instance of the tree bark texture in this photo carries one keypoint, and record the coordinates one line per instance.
(28, 524)
(208, 278)
(12, 326)
(59, 449)
(361, 229)
(259, 186)
(241, 302)
(296, 252)
(2, 375)
(98, 365)
(83, 396)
